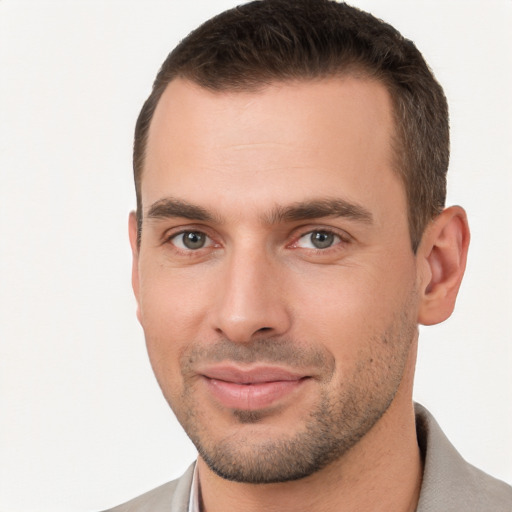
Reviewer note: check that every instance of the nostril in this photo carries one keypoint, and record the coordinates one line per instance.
(264, 329)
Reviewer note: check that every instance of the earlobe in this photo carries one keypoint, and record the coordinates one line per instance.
(442, 254)
(133, 234)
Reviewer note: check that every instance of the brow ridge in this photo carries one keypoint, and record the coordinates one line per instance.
(318, 208)
(170, 207)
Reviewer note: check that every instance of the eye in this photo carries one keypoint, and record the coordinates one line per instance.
(191, 240)
(319, 239)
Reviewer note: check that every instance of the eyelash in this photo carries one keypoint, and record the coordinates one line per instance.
(168, 239)
(343, 240)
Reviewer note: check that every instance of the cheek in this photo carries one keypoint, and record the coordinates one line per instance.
(171, 299)
(347, 308)
(171, 312)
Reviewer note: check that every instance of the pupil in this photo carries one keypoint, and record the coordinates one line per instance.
(193, 240)
(321, 239)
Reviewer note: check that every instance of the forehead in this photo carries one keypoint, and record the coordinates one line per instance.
(286, 139)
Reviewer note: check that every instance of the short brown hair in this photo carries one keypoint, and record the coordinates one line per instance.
(267, 41)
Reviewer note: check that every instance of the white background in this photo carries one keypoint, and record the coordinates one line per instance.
(83, 425)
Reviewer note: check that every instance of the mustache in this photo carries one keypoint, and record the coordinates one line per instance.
(261, 350)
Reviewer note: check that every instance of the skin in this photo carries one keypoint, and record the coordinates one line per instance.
(233, 167)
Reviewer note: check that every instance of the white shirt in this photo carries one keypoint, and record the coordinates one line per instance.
(193, 502)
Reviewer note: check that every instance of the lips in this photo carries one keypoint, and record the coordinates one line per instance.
(253, 388)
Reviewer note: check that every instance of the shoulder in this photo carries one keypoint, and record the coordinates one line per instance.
(170, 497)
(451, 484)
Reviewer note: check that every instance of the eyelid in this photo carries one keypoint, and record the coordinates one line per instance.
(169, 234)
(184, 228)
(344, 237)
(181, 246)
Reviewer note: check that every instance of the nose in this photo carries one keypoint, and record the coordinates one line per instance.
(251, 299)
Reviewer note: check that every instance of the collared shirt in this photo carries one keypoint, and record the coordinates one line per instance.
(449, 484)
(447, 478)
(193, 502)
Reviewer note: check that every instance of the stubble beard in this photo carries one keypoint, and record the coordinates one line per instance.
(330, 429)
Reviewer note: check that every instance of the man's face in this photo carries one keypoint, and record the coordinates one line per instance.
(275, 279)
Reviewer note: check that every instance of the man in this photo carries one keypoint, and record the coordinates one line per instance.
(290, 235)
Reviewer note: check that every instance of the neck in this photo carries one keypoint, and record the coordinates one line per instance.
(381, 473)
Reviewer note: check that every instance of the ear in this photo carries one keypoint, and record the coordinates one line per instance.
(133, 233)
(442, 257)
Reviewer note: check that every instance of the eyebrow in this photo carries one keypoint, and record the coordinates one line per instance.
(171, 207)
(304, 210)
(319, 208)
